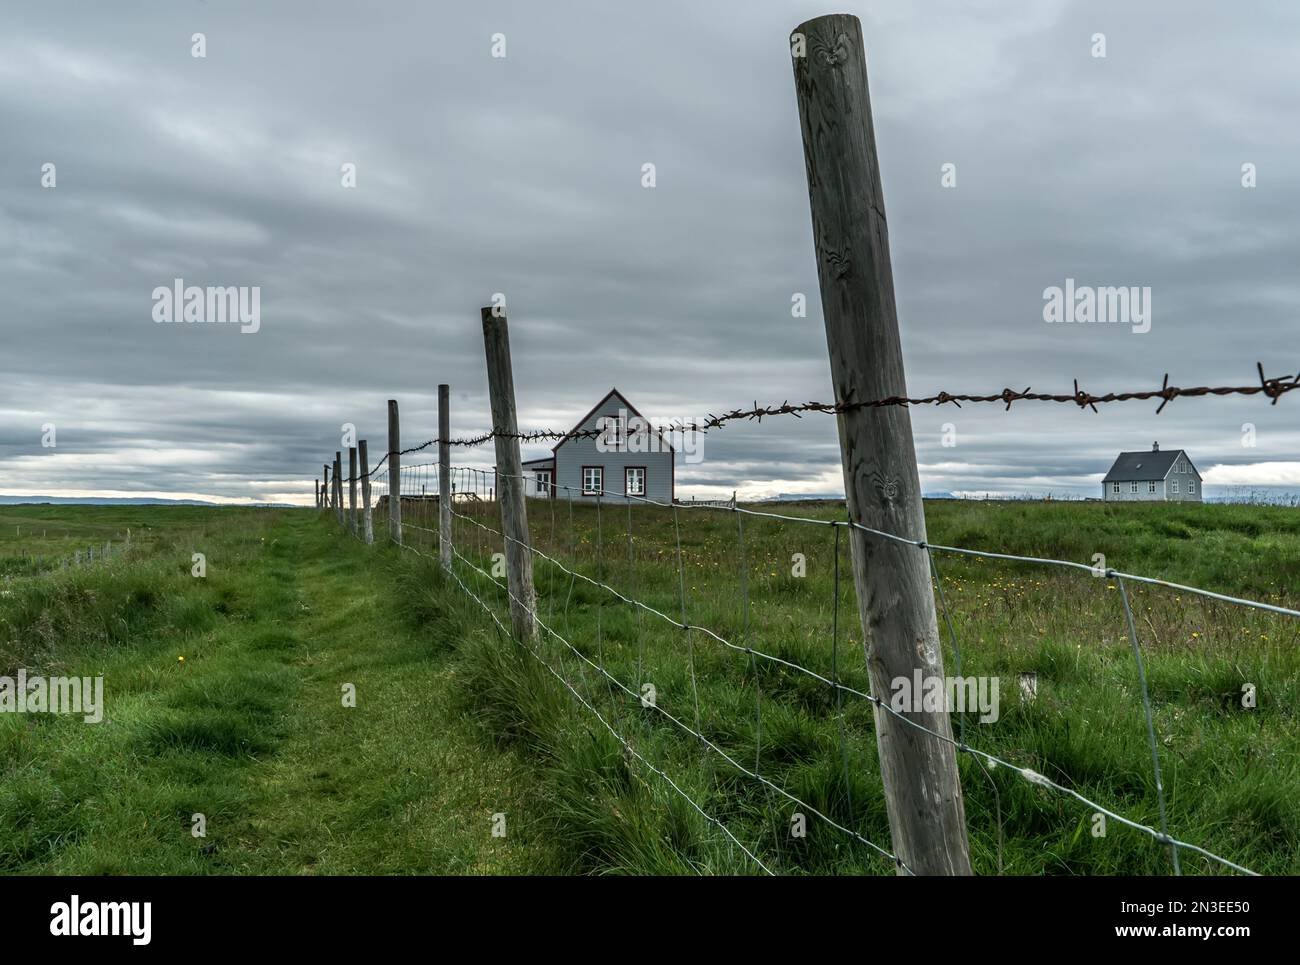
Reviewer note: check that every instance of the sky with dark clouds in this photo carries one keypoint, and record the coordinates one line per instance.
(522, 175)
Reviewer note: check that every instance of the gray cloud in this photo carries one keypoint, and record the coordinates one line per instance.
(522, 175)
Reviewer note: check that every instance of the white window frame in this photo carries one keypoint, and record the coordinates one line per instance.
(545, 480)
(627, 480)
(1173, 484)
(1133, 487)
(1191, 486)
(613, 432)
(1151, 486)
(600, 481)
(1114, 488)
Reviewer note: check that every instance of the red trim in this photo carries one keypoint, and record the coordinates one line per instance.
(550, 480)
(582, 480)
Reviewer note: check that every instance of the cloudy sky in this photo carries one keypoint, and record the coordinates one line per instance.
(522, 175)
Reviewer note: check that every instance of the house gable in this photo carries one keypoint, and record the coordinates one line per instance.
(647, 458)
(615, 394)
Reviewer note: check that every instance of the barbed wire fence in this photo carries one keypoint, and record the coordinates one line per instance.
(477, 549)
(901, 597)
(1271, 387)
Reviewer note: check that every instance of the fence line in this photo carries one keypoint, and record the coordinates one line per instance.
(480, 478)
(895, 590)
(1272, 387)
(1160, 836)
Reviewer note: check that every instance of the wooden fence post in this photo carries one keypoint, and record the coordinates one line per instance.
(338, 486)
(394, 473)
(352, 489)
(369, 528)
(444, 476)
(514, 513)
(895, 599)
(325, 489)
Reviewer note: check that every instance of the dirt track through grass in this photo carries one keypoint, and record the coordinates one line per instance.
(249, 729)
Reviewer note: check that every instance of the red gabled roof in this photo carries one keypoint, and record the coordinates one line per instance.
(630, 407)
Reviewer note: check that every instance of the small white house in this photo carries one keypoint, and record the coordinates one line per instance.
(612, 453)
(1152, 476)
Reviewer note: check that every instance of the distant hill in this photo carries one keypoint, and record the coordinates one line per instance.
(123, 501)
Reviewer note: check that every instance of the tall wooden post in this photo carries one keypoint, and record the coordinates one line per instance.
(369, 528)
(338, 486)
(394, 473)
(922, 789)
(325, 488)
(444, 476)
(352, 489)
(514, 513)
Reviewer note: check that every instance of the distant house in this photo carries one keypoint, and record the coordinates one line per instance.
(1153, 476)
(612, 453)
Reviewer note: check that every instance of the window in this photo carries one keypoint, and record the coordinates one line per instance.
(634, 480)
(1114, 487)
(1191, 485)
(543, 477)
(593, 480)
(611, 436)
(1151, 486)
(1133, 487)
(1173, 485)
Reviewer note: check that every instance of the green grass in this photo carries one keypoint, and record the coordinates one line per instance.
(250, 728)
(1232, 775)
(455, 722)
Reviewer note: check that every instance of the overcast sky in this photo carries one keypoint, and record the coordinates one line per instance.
(522, 174)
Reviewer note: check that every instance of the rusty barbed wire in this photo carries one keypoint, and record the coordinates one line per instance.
(1273, 388)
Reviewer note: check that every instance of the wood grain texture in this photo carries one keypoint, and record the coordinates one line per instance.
(369, 525)
(352, 489)
(510, 487)
(338, 486)
(444, 476)
(394, 473)
(895, 599)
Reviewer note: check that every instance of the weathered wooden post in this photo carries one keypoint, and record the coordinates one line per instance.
(369, 527)
(352, 489)
(444, 476)
(325, 489)
(514, 512)
(394, 473)
(338, 486)
(901, 636)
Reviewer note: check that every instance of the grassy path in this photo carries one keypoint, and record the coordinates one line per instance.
(251, 731)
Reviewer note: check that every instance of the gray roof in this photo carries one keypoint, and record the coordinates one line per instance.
(1145, 465)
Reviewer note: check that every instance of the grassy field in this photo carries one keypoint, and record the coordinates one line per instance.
(454, 723)
(1232, 775)
(249, 728)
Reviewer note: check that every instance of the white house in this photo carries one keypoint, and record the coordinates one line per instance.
(1153, 476)
(612, 453)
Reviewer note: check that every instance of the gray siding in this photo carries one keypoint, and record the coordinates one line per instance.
(577, 452)
(1126, 494)
(1182, 473)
